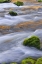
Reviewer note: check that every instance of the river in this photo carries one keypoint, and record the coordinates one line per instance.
(27, 23)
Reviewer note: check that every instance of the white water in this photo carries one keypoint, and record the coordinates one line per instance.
(23, 16)
(11, 48)
(7, 5)
(9, 20)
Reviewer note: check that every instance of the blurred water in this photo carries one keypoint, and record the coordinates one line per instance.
(11, 48)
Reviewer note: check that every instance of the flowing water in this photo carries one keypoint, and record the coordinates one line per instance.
(11, 43)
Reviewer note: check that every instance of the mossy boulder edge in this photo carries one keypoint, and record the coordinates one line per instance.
(33, 41)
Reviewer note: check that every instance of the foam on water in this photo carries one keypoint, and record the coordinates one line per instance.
(7, 5)
(9, 20)
(11, 48)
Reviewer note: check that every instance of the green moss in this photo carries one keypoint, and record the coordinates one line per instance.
(18, 3)
(33, 41)
(39, 61)
(13, 63)
(28, 61)
(13, 13)
(39, 0)
(4, 1)
(7, 1)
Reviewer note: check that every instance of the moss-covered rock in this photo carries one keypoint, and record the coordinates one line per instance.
(33, 41)
(13, 63)
(39, 61)
(18, 3)
(4, 1)
(28, 61)
(13, 13)
(39, 0)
